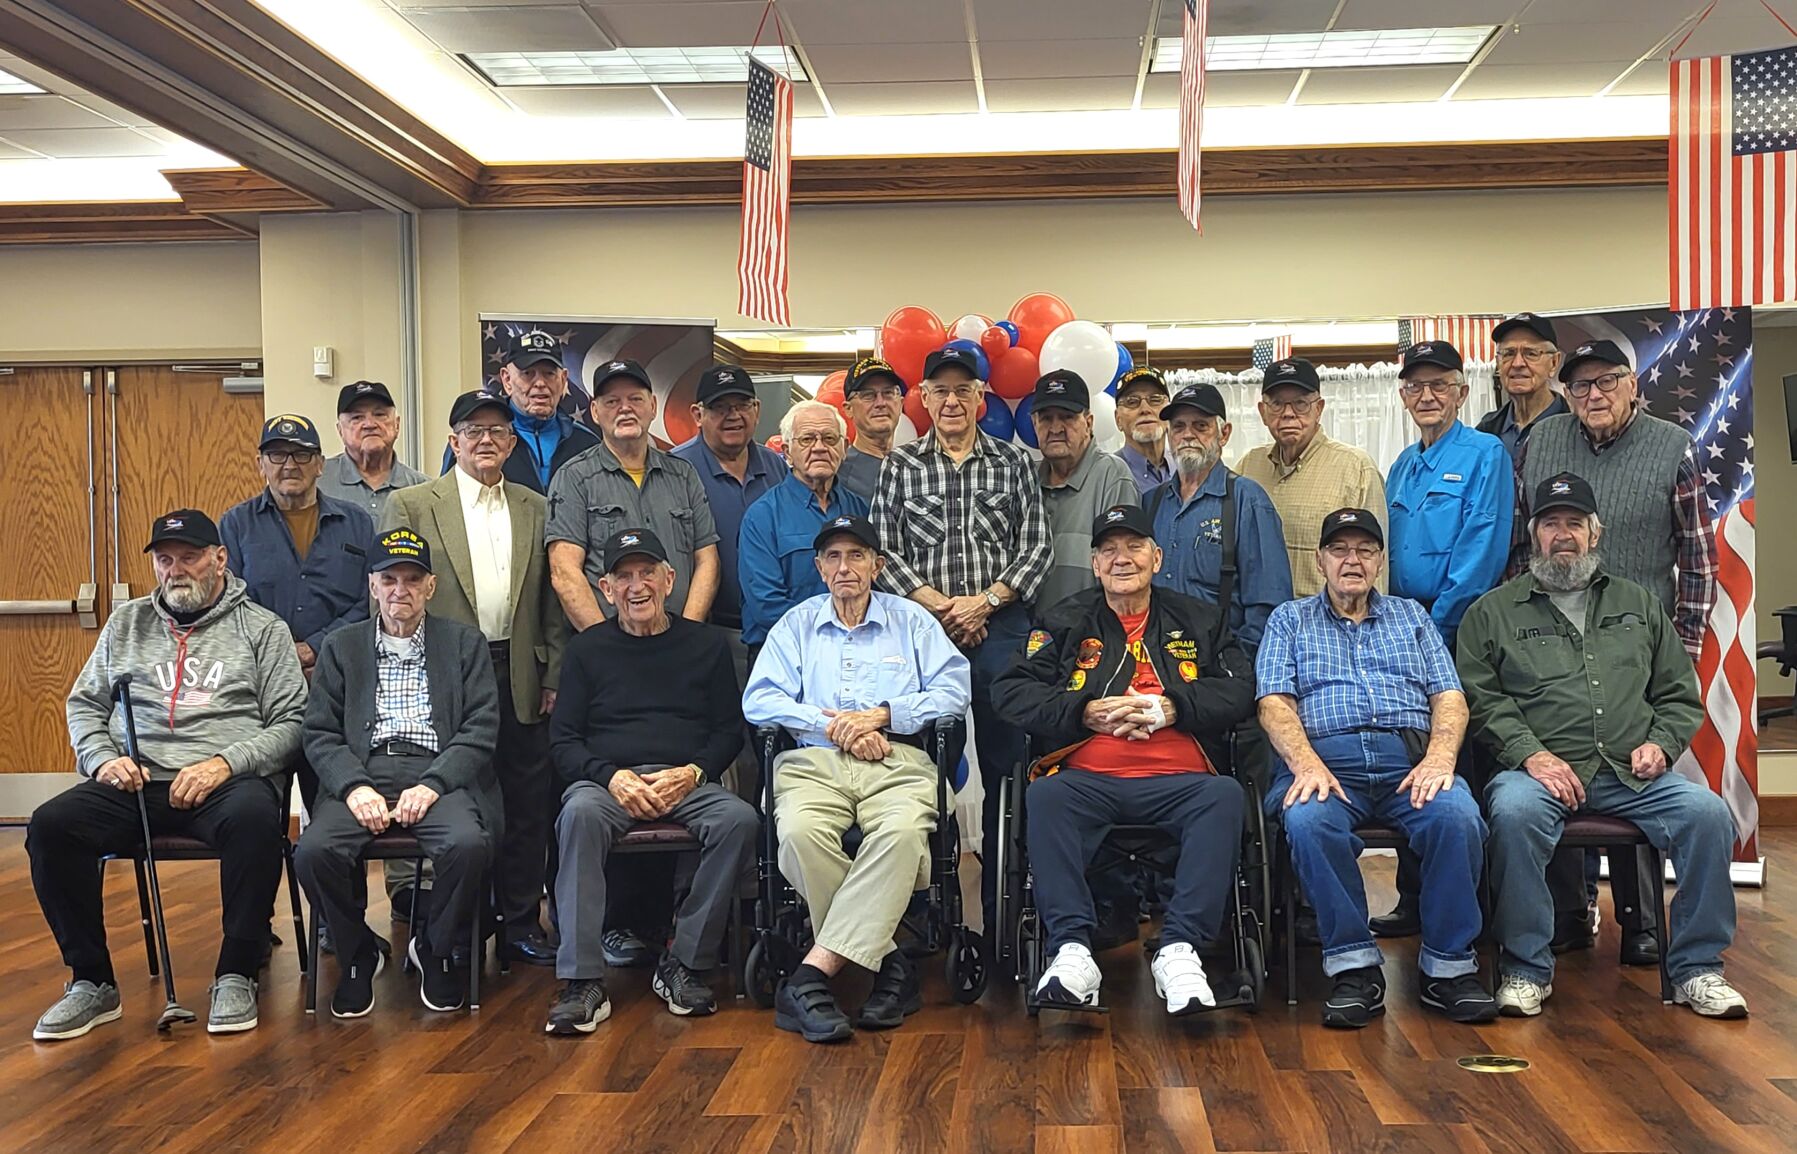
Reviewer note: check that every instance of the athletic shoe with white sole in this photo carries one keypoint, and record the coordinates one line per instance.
(579, 1008)
(1179, 978)
(1709, 995)
(83, 1006)
(1520, 997)
(354, 996)
(1071, 979)
(681, 989)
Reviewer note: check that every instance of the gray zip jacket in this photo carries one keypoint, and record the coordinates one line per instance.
(230, 686)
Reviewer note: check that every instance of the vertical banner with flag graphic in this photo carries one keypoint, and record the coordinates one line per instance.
(767, 191)
(1191, 105)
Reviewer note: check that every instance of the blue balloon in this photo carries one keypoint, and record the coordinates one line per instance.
(1026, 428)
(979, 355)
(1125, 362)
(998, 421)
(1010, 331)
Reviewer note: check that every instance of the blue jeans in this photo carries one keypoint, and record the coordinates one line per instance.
(1675, 813)
(1447, 832)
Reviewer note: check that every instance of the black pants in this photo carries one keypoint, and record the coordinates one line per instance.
(329, 863)
(71, 832)
(531, 795)
(998, 743)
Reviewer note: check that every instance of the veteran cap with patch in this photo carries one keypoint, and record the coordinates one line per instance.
(399, 547)
(1564, 491)
(1122, 518)
(860, 528)
(632, 543)
(290, 428)
(1342, 520)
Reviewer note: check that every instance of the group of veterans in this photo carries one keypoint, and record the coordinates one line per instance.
(567, 634)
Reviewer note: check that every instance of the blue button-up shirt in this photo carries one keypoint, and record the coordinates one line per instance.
(328, 589)
(1378, 674)
(1451, 511)
(1147, 474)
(898, 657)
(776, 566)
(1190, 535)
(729, 500)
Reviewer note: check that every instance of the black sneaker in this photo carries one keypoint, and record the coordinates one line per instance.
(1404, 921)
(441, 986)
(1358, 997)
(355, 986)
(1460, 999)
(579, 1008)
(625, 950)
(809, 1010)
(897, 994)
(681, 989)
(1574, 931)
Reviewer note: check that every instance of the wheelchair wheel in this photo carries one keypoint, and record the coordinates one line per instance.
(966, 966)
(1254, 988)
(759, 979)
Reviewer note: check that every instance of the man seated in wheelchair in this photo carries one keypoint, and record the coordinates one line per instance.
(1361, 703)
(853, 675)
(1135, 687)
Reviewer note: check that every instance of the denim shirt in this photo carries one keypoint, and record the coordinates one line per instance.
(326, 590)
(776, 560)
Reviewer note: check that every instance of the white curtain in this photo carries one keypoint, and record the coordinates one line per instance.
(1363, 407)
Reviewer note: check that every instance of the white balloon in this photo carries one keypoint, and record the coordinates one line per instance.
(1082, 347)
(971, 327)
(905, 433)
(1105, 432)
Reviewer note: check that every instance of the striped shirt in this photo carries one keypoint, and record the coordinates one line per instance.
(960, 528)
(1327, 476)
(402, 694)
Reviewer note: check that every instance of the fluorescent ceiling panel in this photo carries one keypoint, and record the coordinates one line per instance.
(1382, 47)
(12, 85)
(722, 65)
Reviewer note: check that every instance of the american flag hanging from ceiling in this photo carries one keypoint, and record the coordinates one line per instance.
(1470, 335)
(1191, 105)
(767, 188)
(1270, 349)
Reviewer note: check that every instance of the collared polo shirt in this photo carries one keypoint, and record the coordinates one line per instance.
(1190, 534)
(1097, 482)
(1327, 476)
(1148, 475)
(1502, 424)
(730, 499)
(328, 589)
(776, 558)
(342, 480)
(1452, 505)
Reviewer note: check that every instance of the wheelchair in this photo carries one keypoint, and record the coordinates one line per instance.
(781, 934)
(1021, 944)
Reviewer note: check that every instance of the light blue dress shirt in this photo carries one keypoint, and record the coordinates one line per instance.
(1451, 509)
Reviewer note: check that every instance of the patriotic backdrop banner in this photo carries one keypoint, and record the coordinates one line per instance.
(1696, 370)
(674, 352)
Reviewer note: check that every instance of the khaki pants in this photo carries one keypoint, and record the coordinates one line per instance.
(818, 794)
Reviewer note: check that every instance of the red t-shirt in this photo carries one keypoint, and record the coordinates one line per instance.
(1166, 751)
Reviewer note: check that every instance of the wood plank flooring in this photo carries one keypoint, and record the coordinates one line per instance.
(1613, 1069)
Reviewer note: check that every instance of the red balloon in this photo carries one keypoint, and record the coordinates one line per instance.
(1014, 374)
(920, 417)
(909, 335)
(830, 393)
(995, 342)
(1036, 316)
(776, 445)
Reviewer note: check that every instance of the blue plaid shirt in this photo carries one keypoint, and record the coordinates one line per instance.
(1378, 674)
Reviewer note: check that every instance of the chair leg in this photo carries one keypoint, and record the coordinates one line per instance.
(1661, 931)
(143, 915)
(293, 901)
(311, 968)
(477, 950)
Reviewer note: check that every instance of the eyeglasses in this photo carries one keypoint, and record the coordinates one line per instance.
(475, 434)
(1607, 383)
(968, 393)
(1296, 408)
(735, 407)
(1155, 401)
(1530, 355)
(1441, 388)
(879, 393)
(812, 440)
(1341, 551)
(290, 456)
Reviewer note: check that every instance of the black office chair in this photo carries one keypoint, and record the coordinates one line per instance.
(1784, 651)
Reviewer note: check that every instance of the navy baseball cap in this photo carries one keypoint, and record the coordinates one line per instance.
(348, 395)
(1204, 398)
(534, 347)
(1340, 521)
(188, 526)
(1605, 351)
(1533, 322)
(943, 358)
(1062, 389)
(469, 404)
(860, 528)
(291, 428)
(866, 371)
(632, 543)
(1291, 371)
(1438, 353)
(721, 381)
(400, 547)
(623, 367)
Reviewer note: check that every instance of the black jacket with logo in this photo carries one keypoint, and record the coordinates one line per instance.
(1080, 654)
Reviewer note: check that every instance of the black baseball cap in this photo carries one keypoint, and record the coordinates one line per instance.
(1340, 521)
(721, 381)
(400, 547)
(1605, 351)
(631, 543)
(189, 526)
(1124, 518)
(1142, 376)
(1534, 322)
(1291, 371)
(1062, 389)
(1564, 491)
(866, 371)
(533, 347)
(944, 357)
(1437, 353)
(1204, 398)
(469, 404)
(612, 370)
(289, 427)
(348, 395)
(860, 528)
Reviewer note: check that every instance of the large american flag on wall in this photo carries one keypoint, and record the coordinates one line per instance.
(1732, 180)
(767, 188)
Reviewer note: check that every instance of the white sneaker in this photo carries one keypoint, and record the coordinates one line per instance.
(1179, 978)
(1520, 997)
(1071, 979)
(1711, 996)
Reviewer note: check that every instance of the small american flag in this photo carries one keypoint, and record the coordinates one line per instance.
(1471, 335)
(767, 188)
(1191, 105)
(1270, 349)
(1732, 180)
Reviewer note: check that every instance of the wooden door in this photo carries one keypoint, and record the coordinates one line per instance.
(49, 549)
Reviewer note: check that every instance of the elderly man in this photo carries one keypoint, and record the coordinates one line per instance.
(487, 532)
(626, 481)
(1220, 534)
(1359, 699)
(400, 730)
(776, 562)
(367, 472)
(960, 514)
(1141, 396)
(1528, 356)
(1079, 481)
(1306, 472)
(1135, 688)
(1581, 691)
(222, 698)
(648, 716)
(303, 555)
(875, 398)
(854, 675)
(546, 438)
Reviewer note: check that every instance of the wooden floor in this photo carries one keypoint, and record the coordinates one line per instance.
(1613, 1070)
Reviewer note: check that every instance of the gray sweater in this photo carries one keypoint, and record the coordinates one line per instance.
(231, 688)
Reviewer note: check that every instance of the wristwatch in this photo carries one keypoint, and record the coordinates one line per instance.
(994, 600)
(698, 777)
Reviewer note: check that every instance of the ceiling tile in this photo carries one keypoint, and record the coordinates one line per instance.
(47, 112)
(87, 142)
(725, 101)
(1519, 81)
(1574, 43)
(538, 28)
(1648, 80)
(1222, 89)
(9, 152)
(1662, 15)
(921, 99)
(872, 63)
(815, 22)
(621, 100)
(1747, 30)
(1434, 14)
(111, 111)
(1048, 59)
(998, 20)
(1378, 85)
(684, 25)
(1252, 17)
(1075, 95)
(26, 70)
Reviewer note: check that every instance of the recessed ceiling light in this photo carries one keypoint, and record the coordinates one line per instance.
(722, 65)
(11, 85)
(1346, 49)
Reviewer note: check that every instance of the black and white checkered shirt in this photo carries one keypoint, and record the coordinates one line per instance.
(402, 695)
(959, 529)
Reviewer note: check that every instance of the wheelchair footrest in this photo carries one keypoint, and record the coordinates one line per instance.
(1036, 1004)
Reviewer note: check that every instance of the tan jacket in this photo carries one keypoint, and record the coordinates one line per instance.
(433, 510)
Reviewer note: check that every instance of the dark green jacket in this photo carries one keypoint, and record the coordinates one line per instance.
(1536, 681)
